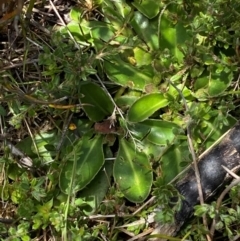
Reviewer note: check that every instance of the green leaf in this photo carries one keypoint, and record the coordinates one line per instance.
(95, 192)
(158, 132)
(149, 8)
(26, 146)
(41, 140)
(44, 210)
(132, 172)
(121, 8)
(38, 148)
(202, 81)
(172, 159)
(172, 35)
(201, 210)
(142, 57)
(99, 105)
(126, 75)
(155, 151)
(115, 13)
(218, 82)
(213, 132)
(126, 100)
(82, 164)
(101, 33)
(146, 106)
(80, 32)
(75, 14)
(146, 29)
(2, 111)
(175, 94)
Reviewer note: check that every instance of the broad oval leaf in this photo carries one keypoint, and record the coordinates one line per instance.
(142, 56)
(149, 8)
(127, 75)
(173, 35)
(132, 172)
(82, 35)
(82, 164)
(41, 147)
(99, 105)
(155, 151)
(219, 82)
(121, 7)
(125, 101)
(172, 159)
(41, 141)
(95, 192)
(146, 106)
(146, 29)
(75, 14)
(157, 132)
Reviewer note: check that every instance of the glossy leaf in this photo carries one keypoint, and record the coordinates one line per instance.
(82, 164)
(218, 82)
(122, 8)
(95, 192)
(146, 29)
(175, 94)
(155, 151)
(100, 31)
(149, 8)
(145, 106)
(132, 172)
(142, 57)
(126, 101)
(172, 159)
(156, 131)
(172, 35)
(99, 105)
(75, 14)
(40, 146)
(115, 13)
(41, 141)
(127, 75)
(80, 33)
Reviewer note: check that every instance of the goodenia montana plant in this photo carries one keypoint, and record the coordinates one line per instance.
(133, 75)
(131, 62)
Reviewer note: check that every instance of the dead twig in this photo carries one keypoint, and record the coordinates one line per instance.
(230, 172)
(64, 24)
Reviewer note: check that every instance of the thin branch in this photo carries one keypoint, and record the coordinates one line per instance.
(230, 172)
(219, 202)
(64, 24)
(190, 143)
(115, 108)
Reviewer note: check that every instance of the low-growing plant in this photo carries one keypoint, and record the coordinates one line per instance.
(105, 118)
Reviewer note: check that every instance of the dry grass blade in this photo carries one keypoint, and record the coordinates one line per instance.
(10, 9)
